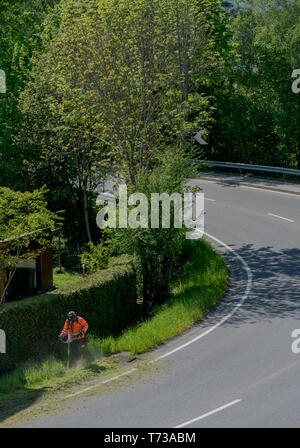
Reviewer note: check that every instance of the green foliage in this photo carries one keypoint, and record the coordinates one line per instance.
(258, 115)
(156, 250)
(23, 213)
(61, 277)
(59, 245)
(120, 79)
(25, 221)
(104, 84)
(22, 166)
(19, 36)
(107, 300)
(96, 258)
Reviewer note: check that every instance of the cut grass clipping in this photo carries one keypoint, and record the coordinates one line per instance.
(201, 285)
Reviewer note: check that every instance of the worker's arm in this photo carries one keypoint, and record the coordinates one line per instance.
(84, 325)
(64, 331)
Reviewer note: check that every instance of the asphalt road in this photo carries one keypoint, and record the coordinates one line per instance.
(242, 372)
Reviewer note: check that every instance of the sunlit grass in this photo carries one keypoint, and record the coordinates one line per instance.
(65, 278)
(199, 289)
(29, 374)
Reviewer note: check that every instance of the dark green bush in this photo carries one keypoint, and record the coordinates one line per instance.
(106, 299)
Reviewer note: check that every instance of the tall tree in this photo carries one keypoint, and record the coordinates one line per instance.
(20, 23)
(258, 114)
(127, 74)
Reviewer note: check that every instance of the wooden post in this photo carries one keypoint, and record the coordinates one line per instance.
(45, 269)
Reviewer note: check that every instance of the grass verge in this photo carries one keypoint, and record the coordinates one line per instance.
(65, 278)
(201, 285)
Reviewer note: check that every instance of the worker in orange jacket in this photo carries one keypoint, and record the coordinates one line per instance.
(75, 329)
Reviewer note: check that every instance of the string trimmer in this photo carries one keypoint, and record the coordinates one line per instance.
(68, 341)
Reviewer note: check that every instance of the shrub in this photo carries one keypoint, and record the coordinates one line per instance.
(96, 258)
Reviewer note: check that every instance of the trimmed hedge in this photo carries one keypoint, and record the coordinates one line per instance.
(106, 299)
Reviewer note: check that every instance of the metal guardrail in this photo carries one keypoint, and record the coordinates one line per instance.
(245, 166)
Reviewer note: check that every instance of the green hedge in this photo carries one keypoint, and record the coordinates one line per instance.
(107, 300)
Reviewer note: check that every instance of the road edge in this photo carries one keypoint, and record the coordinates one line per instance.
(249, 185)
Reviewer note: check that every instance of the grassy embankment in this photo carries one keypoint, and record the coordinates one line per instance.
(202, 284)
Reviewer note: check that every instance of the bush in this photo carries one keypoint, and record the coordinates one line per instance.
(96, 258)
(106, 299)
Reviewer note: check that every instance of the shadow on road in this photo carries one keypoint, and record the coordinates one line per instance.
(275, 291)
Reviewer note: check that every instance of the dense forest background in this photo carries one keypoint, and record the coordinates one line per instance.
(70, 112)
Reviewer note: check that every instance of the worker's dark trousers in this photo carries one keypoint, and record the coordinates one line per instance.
(78, 347)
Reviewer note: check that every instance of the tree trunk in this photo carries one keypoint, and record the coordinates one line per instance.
(10, 278)
(147, 290)
(86, 214)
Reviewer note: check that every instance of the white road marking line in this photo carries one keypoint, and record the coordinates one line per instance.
(221, 408)
(280, 217)
(208, 199)
(101, 382)
(228, 316)
(295, 195)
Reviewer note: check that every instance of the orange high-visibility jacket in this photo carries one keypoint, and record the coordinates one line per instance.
(74, 328)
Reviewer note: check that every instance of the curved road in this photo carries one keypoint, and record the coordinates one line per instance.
(242, 372)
